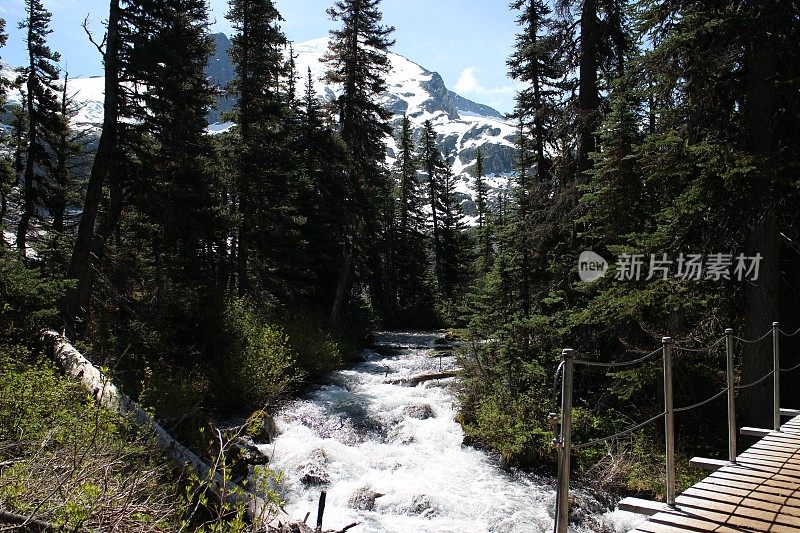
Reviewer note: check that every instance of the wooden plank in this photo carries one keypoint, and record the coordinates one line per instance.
(754, 521)
(788, 459)
(765, 486)
(704, 463)
(790, 412)
(682, 521)
(778, 449)
(755, 432)
(766, 515)
(759, 475)
(760, 492)
(759, 461)
(747, 495)
(641, 506)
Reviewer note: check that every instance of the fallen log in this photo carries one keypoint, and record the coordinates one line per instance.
(259, 511)
(413, 381)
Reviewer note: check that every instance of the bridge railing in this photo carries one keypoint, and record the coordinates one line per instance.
(564, 421)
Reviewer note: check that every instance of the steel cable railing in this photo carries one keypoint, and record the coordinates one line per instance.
(753, 384)
(700, 404)
(700, 350)
(761, 338)
(566, 370)
(617, 364)
(792, 369)
(617, 435)
(789, 334)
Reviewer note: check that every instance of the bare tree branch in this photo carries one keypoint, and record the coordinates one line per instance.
(100, 47)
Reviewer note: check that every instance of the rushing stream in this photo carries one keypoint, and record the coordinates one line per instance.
(391, 457)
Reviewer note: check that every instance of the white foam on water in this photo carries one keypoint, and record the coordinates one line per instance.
(358, 432)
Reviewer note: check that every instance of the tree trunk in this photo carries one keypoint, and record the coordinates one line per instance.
(28, 198)
(88, 247)
(342, 288)
(762, 295)
(588, 96)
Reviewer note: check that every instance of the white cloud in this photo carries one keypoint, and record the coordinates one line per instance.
(468, 84)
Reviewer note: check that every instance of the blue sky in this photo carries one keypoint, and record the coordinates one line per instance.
(466, 41)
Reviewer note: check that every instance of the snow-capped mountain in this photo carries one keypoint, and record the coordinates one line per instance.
(462, 125)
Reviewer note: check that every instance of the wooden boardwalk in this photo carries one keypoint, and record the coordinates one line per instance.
(761, 492)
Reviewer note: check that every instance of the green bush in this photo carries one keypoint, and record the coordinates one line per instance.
(258, 365)
(317, 351)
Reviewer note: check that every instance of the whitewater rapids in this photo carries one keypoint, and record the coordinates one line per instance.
(392, 457)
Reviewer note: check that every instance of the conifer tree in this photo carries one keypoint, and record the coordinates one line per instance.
(537, 61)
(410, 247)
(41, 77)
(257, 54)
(454, 244)
(482, 205)
(358, 62)
(6, 168)
(434, 168)
(105, 175)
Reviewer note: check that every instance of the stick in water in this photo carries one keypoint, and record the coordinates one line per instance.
(321, 509)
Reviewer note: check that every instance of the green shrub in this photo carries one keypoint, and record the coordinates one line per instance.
(318, 352)
(258, 365)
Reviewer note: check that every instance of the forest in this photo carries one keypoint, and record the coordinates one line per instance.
(216, 277)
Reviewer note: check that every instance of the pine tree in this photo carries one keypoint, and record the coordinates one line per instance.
(257, 53)
(323, 160)
(6, 168)
(454, 244)
(358, 62)
(41, 77)
(482, 205)
(105, 175)
(173, 225)
(410, 246)
(434, 169)
(537, 61)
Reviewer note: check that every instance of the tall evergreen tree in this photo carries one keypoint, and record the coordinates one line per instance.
(6, 168)
(172, 225)
(434, 169)
(105, 175)
(257, 53)
(538, 62)
(482, 205)
(454, 244)
(410, 246)
(41, 83)
(358, 62)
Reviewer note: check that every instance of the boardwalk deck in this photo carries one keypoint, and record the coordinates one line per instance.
(761, 492)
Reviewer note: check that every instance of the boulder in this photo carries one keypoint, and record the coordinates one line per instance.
(420, 411)
(363, 499)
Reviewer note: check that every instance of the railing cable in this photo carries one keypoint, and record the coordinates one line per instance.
(618, 364)
(790, 369)
(767, 334)
(698, 350)
(555, 384)
(617, 435)
(753, 384)
(700, 404)
(789, 334)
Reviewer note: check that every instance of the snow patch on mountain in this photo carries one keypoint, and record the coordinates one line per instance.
(462, 125)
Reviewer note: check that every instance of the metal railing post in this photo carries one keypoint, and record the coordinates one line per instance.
(669, 425)
(562, 506)
(731, 396)
(776, 377)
